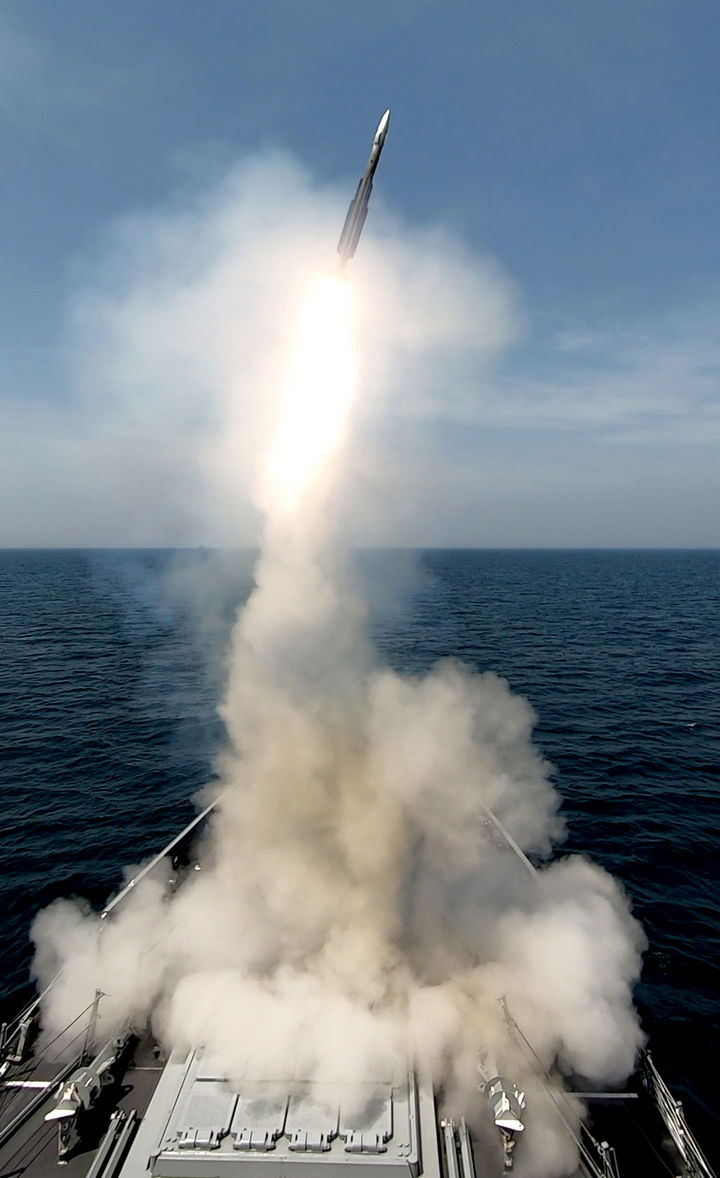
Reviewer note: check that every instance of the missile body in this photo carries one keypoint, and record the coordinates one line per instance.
(358, 210)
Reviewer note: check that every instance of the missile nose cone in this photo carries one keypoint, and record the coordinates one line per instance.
(383, 125)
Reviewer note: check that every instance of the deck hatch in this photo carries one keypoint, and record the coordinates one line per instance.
(258, 1121)
(369, 1128)
(207, 1115)
(312, 1118)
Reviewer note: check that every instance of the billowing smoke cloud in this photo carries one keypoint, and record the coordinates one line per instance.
(355, 902)
(179, 324)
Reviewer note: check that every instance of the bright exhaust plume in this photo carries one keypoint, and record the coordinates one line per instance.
(316, 397)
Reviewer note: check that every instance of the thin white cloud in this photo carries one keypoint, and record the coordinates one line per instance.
(163, 389)
(23, 62)
(654, 384)
(44, 93)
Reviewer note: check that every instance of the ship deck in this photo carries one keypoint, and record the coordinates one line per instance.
(152, 1140)
(32, 1148)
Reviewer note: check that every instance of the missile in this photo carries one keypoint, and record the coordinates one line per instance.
(358, 210)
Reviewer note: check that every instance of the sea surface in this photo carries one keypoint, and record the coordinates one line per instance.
(113, 663)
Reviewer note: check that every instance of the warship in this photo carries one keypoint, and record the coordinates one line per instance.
(126, 1108)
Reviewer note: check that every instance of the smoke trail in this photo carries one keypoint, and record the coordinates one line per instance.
(355, 902)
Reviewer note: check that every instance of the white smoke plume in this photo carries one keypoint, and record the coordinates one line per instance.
(355, 901)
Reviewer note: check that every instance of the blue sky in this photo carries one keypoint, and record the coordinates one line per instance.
(564, 156)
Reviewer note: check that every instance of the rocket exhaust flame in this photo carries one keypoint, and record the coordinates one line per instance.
(319, 387)
(316, 398)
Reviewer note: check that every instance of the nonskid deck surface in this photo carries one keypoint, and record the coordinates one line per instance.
(179, 1103)
(32, 1149)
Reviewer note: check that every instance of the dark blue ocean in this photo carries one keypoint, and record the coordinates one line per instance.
(113, 663)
